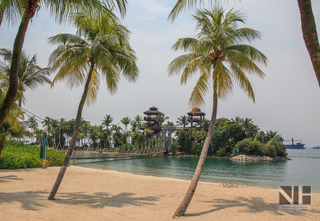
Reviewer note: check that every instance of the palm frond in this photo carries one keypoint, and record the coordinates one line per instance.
(199, 91)
(180, 6)
(222, 76)
(93, 88)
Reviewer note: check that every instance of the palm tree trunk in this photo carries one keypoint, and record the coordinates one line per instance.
(310, 36)
(74, 137)
(2, 142)
(14, 69)
(194, 182)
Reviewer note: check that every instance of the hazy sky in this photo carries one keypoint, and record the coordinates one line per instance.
(287, 100)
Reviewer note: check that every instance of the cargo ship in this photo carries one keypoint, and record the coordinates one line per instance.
(294, 146)
(317, 147)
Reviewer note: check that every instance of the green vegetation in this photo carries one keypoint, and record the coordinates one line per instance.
(18, 155)
(228, 136)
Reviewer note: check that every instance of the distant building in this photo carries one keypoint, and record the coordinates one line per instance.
(195, 116)
(151, 120)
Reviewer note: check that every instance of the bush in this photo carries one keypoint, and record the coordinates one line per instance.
(174, 146)
(221, 152)
(25, 156)
(276, 148)
(253, 147)
(250, 147)
(126, 147)
(196, 148)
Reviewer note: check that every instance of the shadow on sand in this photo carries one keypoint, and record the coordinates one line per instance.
(248, 205)
(4, 179)
(35, 200)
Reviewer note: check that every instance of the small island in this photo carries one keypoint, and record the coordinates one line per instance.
(238, 138)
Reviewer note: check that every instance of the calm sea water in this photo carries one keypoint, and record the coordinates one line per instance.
(298, 171)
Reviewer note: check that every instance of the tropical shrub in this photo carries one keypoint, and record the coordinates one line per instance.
(249, 146)
(253, 147)
(174, 146)
(196, 148)
(126, 147)
(18, 155)
(137, 138)
(276, 148)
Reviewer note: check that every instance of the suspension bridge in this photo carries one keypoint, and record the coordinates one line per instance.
(147, 148)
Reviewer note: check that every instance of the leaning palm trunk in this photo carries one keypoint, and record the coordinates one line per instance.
(194, 182)
(2, 142)
(16, 54)
(74, 137)
(310, 35)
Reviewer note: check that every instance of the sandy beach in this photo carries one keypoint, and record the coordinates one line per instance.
(90, 194)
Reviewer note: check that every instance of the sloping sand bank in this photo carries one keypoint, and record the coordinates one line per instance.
(89, 194)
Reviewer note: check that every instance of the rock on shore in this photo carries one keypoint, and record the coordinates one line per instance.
(255, 158)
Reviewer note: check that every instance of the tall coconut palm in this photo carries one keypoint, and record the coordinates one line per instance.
(125, 121)
(182, 121)
(104, 51)
(138, 119)
(308, 26)
(30, 74)
(25, 10)
(219, 55)
(107, 120)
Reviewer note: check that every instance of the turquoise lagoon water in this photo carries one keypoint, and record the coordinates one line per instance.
(298, 171)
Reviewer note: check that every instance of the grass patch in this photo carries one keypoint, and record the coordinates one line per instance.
(18, 155)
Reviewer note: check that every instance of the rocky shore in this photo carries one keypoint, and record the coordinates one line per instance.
(255, 158)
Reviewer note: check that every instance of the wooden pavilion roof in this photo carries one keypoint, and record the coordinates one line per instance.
(196, 112)
(152, 111)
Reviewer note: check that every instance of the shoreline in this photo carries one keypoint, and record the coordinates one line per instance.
(96, 194)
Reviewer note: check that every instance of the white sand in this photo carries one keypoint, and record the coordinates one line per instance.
(90, 194)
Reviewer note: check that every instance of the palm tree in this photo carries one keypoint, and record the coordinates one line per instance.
(248, 127)
(32, 123)
(134, 126)
(169, 124)
(25, 10)
(11, 126)
(126, 121)
(138, 119)
(30, 75)
(107, 120)
(94, 134)
(104, 50)
(117, 135)
(274, 134)
(204, 124)
(220, 42)
(160, 119)
(308, 26)
(182, 121)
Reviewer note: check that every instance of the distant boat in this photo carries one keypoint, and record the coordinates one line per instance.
(317, 147)
(294, 146)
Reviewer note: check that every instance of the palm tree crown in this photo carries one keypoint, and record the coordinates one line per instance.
(107, 120)
(126, 121)
(182, 121)
(30, 74)
(217, 46)
(104, 49)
